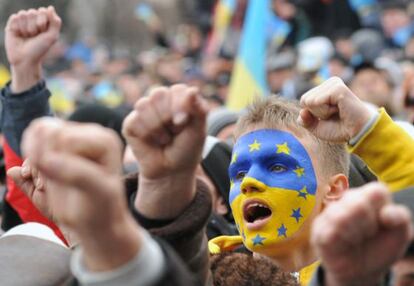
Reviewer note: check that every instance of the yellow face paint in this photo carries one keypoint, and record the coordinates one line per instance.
(273, 188)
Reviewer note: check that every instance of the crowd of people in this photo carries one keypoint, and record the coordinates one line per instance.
(130, 170)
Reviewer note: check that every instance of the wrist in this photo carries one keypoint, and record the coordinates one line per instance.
(363, 115)
(25, 76)
(363, 128)
(167, 197)
(112, 245)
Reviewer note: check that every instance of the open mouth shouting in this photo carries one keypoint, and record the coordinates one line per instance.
(256, 214)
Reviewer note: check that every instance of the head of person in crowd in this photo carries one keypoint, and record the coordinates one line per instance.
(409, 49)
(221, 123)
(368, 45)
(243, 269)
(170, 68)
(339, 66)
(373, 84)
(408, 95)
(33, 255)
(313, 61)
(280, 68)
(281, 176)
(396, 22)
(285, 9)
(102, 115)
(343, 44)
(212, 170)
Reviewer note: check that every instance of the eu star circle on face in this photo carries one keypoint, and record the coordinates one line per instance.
(273, 187)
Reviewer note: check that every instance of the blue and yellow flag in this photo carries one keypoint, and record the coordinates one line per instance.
(248, 78)
(223, 14)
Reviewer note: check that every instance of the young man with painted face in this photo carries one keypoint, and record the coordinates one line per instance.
(284, 171)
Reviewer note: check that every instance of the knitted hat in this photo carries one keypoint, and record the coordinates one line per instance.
(102, 115)
(219, 119)
(215, 162)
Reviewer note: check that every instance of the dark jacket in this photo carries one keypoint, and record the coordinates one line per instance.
(186, 234)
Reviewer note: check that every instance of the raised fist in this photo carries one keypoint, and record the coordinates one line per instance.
(360, 236)
(32, 183)
(166, 130)
(81, 164)
(29, 35)
(332, 112)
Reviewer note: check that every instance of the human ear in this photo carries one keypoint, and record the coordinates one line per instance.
(221, 207)
(338, 184)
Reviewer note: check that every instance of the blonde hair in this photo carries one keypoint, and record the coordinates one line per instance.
(275, 112)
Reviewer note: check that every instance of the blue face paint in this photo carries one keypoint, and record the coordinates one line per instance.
(279, 168)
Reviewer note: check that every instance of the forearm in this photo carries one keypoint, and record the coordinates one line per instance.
(388, 151)
(165, 198)
(21, 109)
(25, 77)
(185, 233)
(145, 267)
(111, 246)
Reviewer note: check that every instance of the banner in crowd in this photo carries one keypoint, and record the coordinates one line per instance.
(248, 77)
(223, 14)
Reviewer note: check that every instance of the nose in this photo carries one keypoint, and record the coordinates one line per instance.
(250, 185)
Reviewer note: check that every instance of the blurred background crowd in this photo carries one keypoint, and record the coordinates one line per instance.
(112, 52)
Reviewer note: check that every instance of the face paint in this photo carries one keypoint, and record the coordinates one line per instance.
(273, 187)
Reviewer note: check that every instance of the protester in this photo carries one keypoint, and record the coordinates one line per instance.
(288, 186)
(262, 182)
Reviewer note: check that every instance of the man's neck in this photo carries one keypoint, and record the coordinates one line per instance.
(296, 259)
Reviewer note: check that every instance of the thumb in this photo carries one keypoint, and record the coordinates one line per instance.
(54, 21)
(15, 174)
(25, 185)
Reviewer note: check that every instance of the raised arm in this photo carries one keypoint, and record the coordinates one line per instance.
(82, 166)
(28, 37)
(166, 132)
(333, 113)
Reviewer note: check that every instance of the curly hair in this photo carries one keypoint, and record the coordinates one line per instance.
(230, 268)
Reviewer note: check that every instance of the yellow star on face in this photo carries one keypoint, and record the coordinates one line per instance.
(234, 158)
(283, 148)
(254, 146)
(231, 184)
(299, 171)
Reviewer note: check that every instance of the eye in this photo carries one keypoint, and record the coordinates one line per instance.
(240, 175)
(278, 168)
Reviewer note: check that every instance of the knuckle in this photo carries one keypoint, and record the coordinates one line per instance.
(128, 125)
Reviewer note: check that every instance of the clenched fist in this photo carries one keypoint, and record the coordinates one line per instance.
(82, 165)
(28, 37)
(332, 112)
(360, 236)
(166, 132)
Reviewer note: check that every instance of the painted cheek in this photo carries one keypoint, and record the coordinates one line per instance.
(290, 194)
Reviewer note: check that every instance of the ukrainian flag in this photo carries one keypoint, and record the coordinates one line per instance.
(222, 17)
(248, 78)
